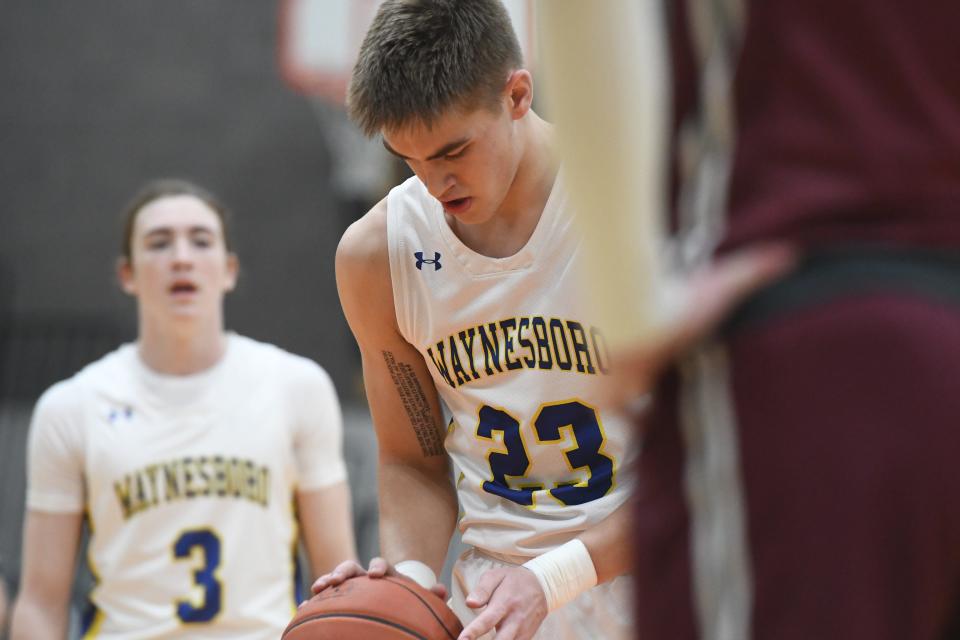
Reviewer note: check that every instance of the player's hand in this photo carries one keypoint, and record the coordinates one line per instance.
(706, 299)
(340, 574)
(378, 568)
(514, 601)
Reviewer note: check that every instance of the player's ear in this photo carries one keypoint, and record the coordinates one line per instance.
(125, 275)
(519, 93)
(233, 270)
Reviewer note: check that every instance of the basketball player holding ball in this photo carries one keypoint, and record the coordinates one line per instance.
(461, 288)
(197, 456)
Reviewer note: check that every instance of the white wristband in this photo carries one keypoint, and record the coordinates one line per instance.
(564, 573)
(417, 571)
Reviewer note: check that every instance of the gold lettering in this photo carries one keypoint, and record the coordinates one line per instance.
(122, 489)
(579, 338)
(458, 371)
(543, 343)
(151, 473)
(466, 337)
(173, 481)
(508, 326)
(491, 347)
(555, 326)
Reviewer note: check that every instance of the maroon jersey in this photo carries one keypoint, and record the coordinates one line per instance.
(827, 122)
(798, 474)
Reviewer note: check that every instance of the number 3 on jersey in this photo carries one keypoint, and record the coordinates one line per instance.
(209, 544)
(548, 425)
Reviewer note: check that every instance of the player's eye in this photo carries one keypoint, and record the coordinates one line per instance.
(157, 243)
(458, 154)
(202, 242)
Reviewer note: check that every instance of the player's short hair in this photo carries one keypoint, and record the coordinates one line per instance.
(165, 188)
(422, 57)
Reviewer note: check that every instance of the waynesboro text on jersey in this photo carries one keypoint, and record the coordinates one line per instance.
(526, 342)
(192, 477)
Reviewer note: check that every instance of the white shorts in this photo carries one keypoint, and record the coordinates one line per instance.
(602, 613)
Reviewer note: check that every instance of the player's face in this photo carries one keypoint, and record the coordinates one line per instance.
(468, 158)
(179, 265)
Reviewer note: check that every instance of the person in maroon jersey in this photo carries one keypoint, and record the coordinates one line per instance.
(798, 477)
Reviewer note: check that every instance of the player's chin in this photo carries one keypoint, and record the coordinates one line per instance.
(475, 216)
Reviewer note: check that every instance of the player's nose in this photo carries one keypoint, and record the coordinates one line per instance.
(439, 183)
(182, 252)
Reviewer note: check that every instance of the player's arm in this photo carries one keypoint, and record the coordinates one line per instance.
(609, 544)
(417, 501)
(54, 515)
(326, 524)
(322, 495)
(50, 542)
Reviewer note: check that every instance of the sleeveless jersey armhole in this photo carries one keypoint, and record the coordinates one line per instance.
(396, 248)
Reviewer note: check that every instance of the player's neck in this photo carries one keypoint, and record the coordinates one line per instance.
(509, 229)
(186, 348)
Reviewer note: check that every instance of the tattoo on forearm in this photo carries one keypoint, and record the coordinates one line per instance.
(416, 405)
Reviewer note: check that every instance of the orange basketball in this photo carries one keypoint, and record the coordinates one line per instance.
(365, 608)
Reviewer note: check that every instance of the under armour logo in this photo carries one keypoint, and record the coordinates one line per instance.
(125, 412)
(435, 262)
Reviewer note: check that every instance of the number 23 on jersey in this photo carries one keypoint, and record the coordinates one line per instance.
(549, 423)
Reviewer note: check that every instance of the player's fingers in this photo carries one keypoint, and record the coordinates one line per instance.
(328, 580)
(440, 591)
(510, 629)
(734, 277)
(482, 624)
(378, 568)
(486, 585)
(703, 303)
(715, 291)
(343, 571)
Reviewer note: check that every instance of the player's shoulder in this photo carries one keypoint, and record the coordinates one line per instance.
(363, 257)
(366, 241)
(61, 400)
(366, 238)
(67, 397)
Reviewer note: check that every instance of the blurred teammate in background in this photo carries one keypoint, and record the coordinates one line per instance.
(798, 479)
(462, 287)
(198, 457)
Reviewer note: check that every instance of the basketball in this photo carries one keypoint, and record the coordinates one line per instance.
(364, 608)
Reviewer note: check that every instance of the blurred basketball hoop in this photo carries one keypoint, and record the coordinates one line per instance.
(319, 41)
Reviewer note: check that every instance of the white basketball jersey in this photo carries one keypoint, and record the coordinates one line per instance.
(518, 360)
(188, 483)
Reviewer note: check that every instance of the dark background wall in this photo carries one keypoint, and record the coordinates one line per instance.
(97, 97)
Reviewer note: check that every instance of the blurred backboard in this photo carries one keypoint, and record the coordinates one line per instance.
(319, 41)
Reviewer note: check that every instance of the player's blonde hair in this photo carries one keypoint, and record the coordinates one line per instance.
(423, 57)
